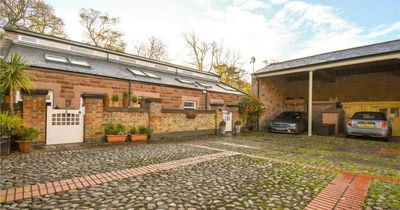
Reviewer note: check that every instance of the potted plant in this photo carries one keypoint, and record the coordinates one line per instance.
(25, 137)
(134, 101)
(106, 100)
(238, 124)
(115, 99)
(222, 126)
(141, 134)
(141, 101)
(125, 101)
(8, 122)
(115, 133)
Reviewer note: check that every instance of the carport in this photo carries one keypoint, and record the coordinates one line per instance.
(365, 78)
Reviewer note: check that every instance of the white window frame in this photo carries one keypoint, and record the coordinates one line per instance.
(137, 72)
(149, 74)
(194, 107)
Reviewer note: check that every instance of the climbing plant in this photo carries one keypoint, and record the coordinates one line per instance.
(250, 109)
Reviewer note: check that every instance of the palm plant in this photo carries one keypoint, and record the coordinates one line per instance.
(13, 77)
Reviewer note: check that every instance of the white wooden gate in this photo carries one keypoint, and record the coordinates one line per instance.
(228, 119)
(64, 126)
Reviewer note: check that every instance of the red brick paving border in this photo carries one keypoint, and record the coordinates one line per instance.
(30, 191)
(346, 191)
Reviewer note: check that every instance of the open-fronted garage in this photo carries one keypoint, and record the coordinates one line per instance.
(365, 78)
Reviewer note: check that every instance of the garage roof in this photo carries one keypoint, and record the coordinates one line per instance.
(330, 57)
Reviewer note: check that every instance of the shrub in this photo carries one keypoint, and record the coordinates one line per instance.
(112, 129)
(125, 95)
(134, 99)
(222, 123)
(238, 122)
(106, 96)
(144, 130)
(115, 97)
(250, 109)
(120, 128)
(134, 131)
(9, 122)
(27, 134)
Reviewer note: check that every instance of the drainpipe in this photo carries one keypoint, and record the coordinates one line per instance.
(129, 94)
(206, 99)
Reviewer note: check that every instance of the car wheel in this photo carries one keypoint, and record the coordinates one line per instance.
(388, 138)
(348, 136)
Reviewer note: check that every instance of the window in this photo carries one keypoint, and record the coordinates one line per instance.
(189, 105)
(151, 75)
(184, 81)
(225, 87)
(78, 62)
(137, 72)
(204, 84)
(55, 58)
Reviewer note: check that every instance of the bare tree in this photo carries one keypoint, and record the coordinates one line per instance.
(32, 15)
(99, 30)
(199, 50)
(154, 49)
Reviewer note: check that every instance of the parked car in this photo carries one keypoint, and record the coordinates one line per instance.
(369, 124)
(289, 122)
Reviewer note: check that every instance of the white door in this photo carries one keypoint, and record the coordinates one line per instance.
(228, 119)
(64, 126)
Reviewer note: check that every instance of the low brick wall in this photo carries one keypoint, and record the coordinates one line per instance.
(181, 120)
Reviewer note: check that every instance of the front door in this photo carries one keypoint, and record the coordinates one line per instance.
(228, 120)
(64, 126)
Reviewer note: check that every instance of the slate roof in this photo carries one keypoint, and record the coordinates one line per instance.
(35, 57)
(363, 51)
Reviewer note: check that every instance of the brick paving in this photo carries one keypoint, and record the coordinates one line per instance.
(346, 191)
(43, 189)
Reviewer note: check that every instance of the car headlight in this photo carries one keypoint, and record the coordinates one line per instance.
(292, 125)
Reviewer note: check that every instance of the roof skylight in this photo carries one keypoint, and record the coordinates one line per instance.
(226, 87)
(184, 81)
(149, 74)
(78, 62)
(55, 58)
(204, 84)
(137, 72)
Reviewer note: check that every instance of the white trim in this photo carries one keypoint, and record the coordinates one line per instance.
(194, 107)
(310, 94)
(329, 65)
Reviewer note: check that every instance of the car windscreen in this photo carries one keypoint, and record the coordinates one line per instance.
(369, 116)
(289, 115)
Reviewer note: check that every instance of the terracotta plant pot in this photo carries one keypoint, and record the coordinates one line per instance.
(106, 102)
(116, 138)
(125, 103)
(133, 104)
(6, 99)
(24, 146)
(139, 137)
(115, 103)
(142, 104)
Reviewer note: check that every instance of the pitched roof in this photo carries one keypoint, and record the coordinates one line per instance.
(35, 57)
(347, 54)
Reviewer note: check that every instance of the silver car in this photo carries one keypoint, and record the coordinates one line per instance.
(369, 124)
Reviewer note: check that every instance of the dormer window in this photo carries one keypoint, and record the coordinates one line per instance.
(226, 87)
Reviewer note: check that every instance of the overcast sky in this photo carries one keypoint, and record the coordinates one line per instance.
(270, 29)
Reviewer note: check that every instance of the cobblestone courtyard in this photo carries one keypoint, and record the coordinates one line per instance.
(249, 178)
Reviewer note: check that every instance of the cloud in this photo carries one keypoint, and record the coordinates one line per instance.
(273, 29)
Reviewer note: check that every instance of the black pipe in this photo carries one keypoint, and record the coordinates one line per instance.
(129, 94)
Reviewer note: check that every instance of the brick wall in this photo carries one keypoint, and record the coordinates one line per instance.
(381, 86)
(96, 117)
(34, 113)
(176, 122)
(67, 88)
